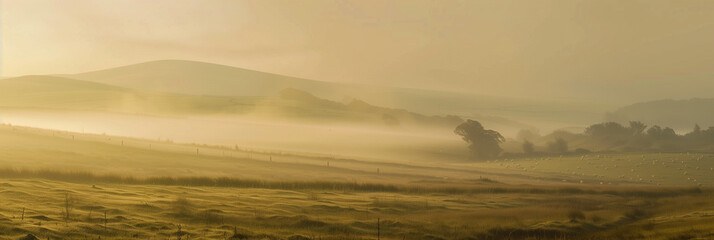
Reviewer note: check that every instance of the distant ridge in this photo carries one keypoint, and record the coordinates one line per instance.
(37, 91)
(199, 78)
(388, 116)
(53, 83)
(208, 79)
(681, 115)
(63, 93)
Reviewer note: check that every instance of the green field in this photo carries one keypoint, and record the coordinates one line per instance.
(148, 188)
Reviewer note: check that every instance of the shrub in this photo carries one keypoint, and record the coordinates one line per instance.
(635, 213)
(596, 218)
(558, 146)
(582, 151)
(575, 215)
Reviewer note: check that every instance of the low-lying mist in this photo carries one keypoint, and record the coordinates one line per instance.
(335, 139)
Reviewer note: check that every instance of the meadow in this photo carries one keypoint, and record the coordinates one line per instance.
(347, 120)
(92, 186)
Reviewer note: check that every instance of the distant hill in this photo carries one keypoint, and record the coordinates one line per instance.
(61, 93)
(387, 116)
(681, 115)
(57, 93)
(199, 78)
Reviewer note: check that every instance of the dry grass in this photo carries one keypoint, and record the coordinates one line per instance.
(214, 197)
(88, 177)
(204, 212)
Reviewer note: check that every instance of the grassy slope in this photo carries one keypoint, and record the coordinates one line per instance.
(681, 169)
(154, 211)
(32, 148)
(147, 211)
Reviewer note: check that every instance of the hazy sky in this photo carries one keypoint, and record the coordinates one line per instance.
(616, 49)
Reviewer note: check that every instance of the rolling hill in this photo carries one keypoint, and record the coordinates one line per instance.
(681, 115)
(387, 116)
(199, 78)
(61, 93)
(57, 93)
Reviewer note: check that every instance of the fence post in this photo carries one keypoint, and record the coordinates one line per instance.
(378, 230)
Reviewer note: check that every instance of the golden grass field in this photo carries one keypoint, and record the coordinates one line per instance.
(149, 188)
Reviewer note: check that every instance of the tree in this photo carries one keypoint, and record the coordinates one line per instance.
(528, 147)
(558, 146)
(484, 143)
(606, 129)
(668, 133)
(658, 132)
(637, 127)
(708, 135)
(696, 133)
(654, 131)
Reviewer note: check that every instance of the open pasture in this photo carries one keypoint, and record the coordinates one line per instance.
(39, 207)
(661, 169)
(148, 188)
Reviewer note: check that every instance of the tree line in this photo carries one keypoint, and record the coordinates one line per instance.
(601, 137)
